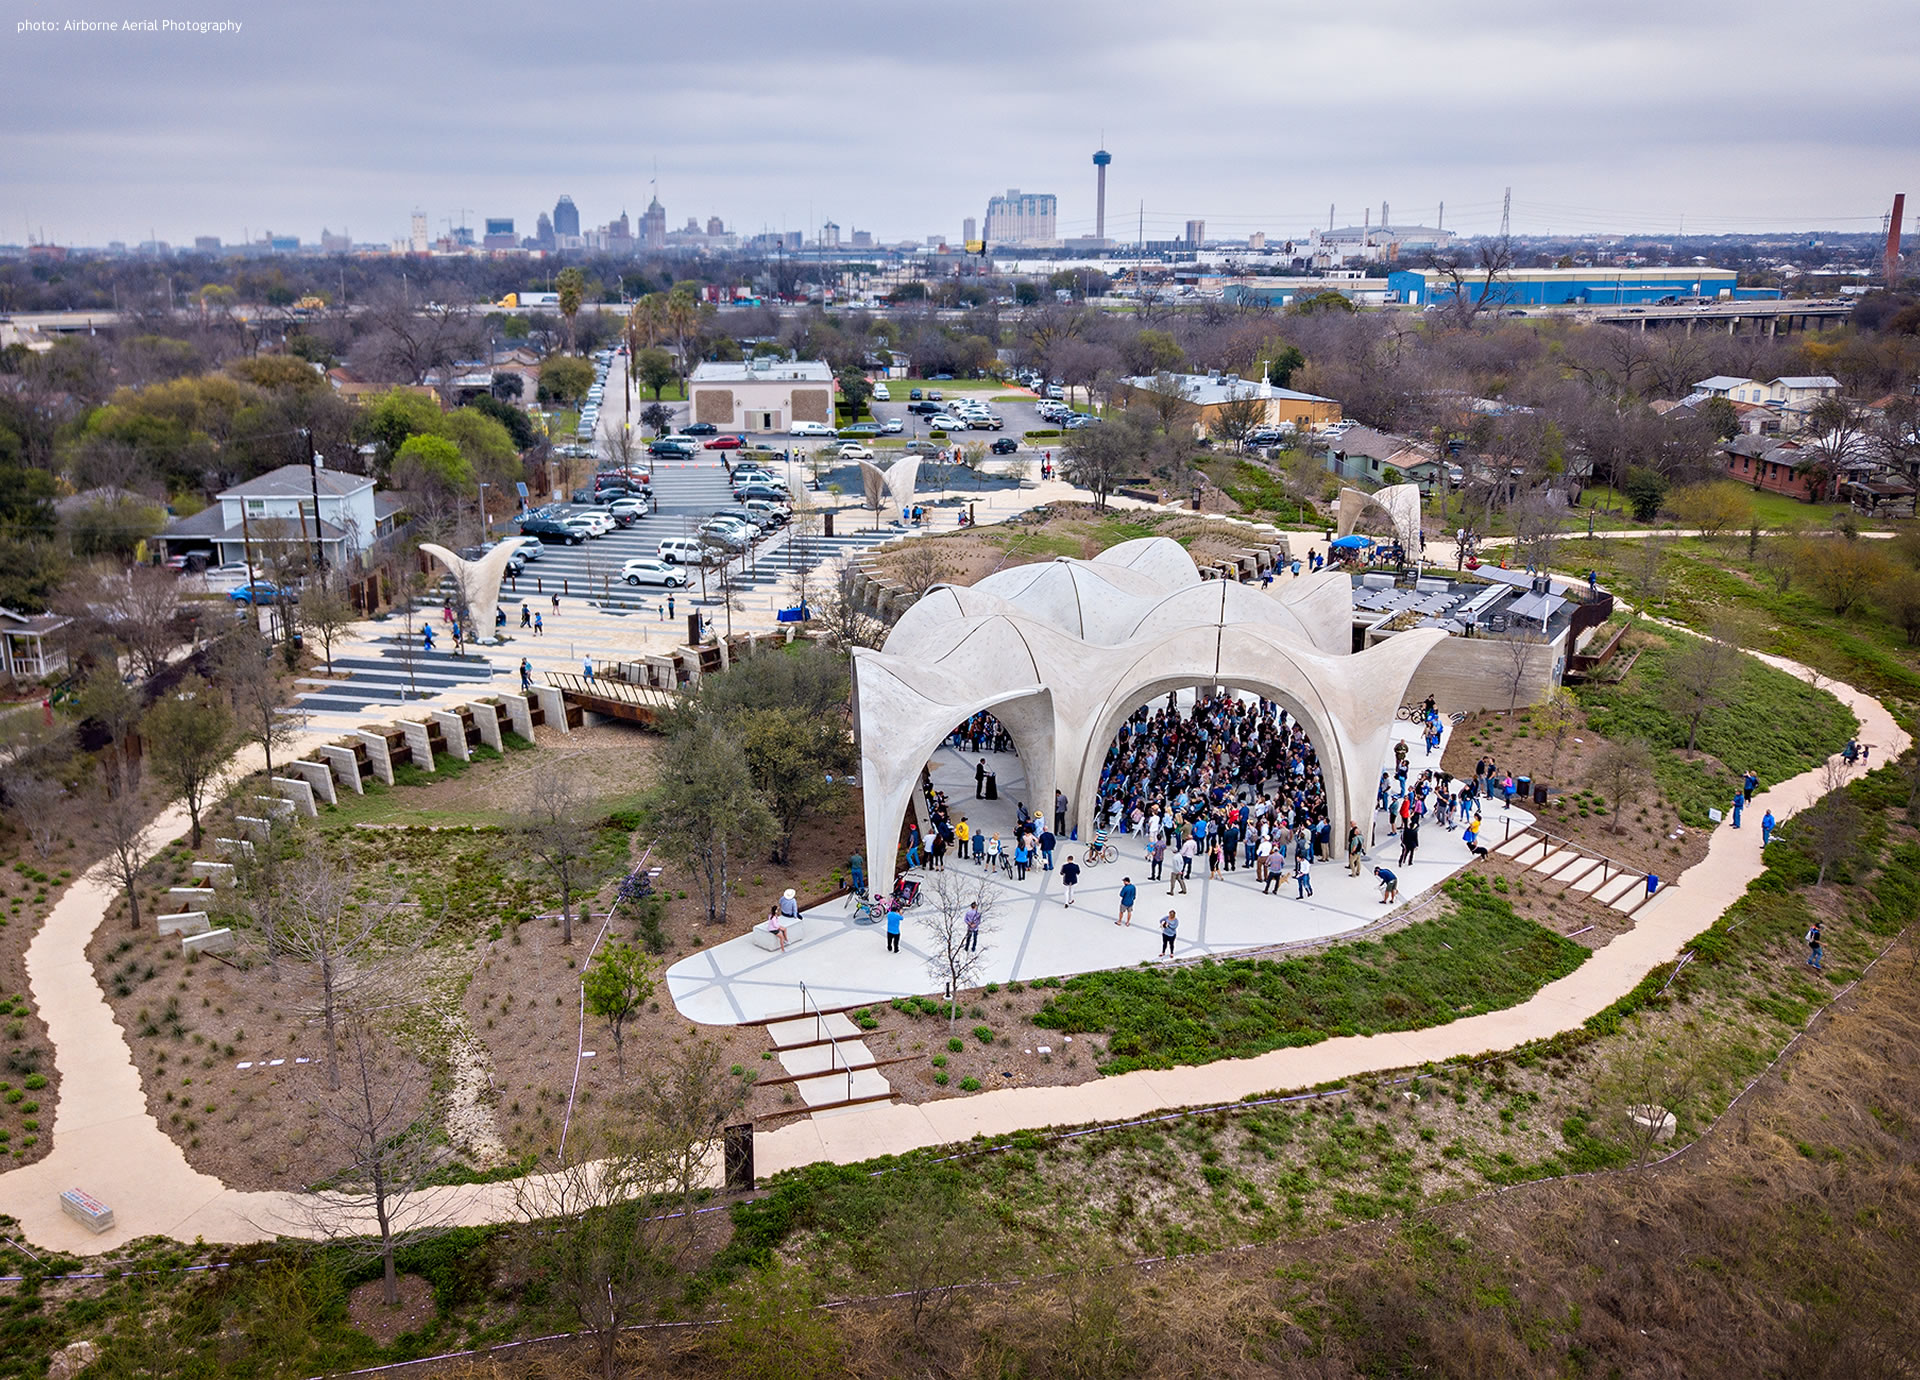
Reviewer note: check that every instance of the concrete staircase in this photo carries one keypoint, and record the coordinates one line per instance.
(1576, 870)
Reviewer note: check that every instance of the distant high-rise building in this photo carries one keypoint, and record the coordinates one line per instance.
(417, 237)
(206, 244)
(653, 226)
(331, 243)
(500, 233)
(863, 239)
(1100, 161)
(1016, 219)
(715, 226)
(1196, 233)
(968, 228)
(566, 217)
(1257, 240)
(543, 232)
(829, 236)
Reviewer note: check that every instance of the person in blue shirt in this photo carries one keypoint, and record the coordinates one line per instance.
(1766, 828)
(1127, 893)
(1389, 885)
(893, 929)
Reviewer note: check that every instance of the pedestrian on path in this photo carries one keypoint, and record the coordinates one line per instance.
(1356, 848)
(972, 921)
(857, 874)
(1389, 885)
(893, 928)
(426, 636)
(446, 612)
(1814, 951)
(980, 780)
(538, 626)
(1047, 844)
(1069, 878)
(1750, 785)
(1021, 858)
(526, 614)
(1059, 812)
(1303, 879)
(1127, 894)
(669, 606)
(1169, 927)
(1766, 828)
(588, 668)
(1739, 803)
(1188, 852)
(1156, 859)
(556, 603)
(1275, 876)
(526, 675)
(1177, 879)
(1409, 841)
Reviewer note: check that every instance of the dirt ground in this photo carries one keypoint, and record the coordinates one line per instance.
(1652, 839)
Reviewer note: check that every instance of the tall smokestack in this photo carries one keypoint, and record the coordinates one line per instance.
(1100, 161)
(1893, 240)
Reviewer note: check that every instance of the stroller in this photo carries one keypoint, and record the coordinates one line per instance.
(906, 893)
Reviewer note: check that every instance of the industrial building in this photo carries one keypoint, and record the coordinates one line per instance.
(1560, 287)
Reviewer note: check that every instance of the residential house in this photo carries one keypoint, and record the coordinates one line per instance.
(1787, 467)
(1209, 393)
(279, 507)
(1362, 453)
(1789, 398)
(24, 650)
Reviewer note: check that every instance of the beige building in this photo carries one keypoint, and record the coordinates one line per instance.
(761, 395)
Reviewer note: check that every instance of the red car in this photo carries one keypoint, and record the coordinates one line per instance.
(726, 443)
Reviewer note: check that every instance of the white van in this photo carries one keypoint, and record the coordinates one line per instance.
(880, 393)
(675, 550)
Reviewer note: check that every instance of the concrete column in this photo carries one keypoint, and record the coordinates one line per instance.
(419, 742)
(519, 714)
(486, 717)
(346, 766)
(553, 706)
(318, 778)
(377, 756)
(454, 730)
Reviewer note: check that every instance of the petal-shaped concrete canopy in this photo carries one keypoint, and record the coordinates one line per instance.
(478, 582)
(1020, 649)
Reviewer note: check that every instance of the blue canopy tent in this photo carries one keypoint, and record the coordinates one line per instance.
(1355, 542)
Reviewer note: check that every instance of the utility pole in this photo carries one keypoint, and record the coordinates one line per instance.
(313, 473)
(1506, 210)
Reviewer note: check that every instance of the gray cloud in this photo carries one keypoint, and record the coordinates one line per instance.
(905, 119)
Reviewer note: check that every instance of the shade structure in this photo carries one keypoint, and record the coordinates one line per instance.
(1062, 652)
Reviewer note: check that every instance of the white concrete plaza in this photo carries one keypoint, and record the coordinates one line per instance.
(1032, 934)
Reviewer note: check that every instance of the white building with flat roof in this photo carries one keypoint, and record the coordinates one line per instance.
(761, 394)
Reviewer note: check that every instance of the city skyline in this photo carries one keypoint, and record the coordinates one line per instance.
(130, 137)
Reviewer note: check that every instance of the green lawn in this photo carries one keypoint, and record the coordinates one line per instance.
(1478, 956)
(1774, 724)
(899, 387)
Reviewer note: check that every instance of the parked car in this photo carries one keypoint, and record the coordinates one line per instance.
(676, 549)
(743, 474)
(646, 572)
(189, 563)
(913, 394)
(262, 592)
(726, 443)
(637, 507)
(515, 563)
(809, 429)
(853, 450)
(924, 409)
(933, 395)
(702, 429)
(550, 530)
(528, 547)
(778, 512)
(1004, 445)
(728, 536)
(919, 447)
(940, 421)
(756, 489)
(986, 422)
(881, 394)
(674, 448)
(893, 426)
(859, 429)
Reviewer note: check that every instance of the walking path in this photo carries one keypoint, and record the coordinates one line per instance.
(106, 1142)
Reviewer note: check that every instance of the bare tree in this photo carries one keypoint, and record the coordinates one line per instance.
(384, 1127)
(920, 566)
(246, 669)
(1516, 667)
(1238, 417)
(1701, 678)
(1169, 400)
(189, 734)
(1536, 516)
(1553, 719)
(601, 1246)
(1650, 1079)
(343, 942)
(130, 843)
(688, 1096)
(139, 608)
(951, 961)
(1475, 281)
(1624, 771)
(36, 801)
(1829, 830)
(553, 829)
(839, 615)
(1647, 573)
(327, 613)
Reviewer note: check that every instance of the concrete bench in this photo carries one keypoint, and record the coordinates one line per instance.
(212, 942)
(185, 922)
(766, 939)
(87, 1210)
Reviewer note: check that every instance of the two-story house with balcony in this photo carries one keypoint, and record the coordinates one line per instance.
(297, 504)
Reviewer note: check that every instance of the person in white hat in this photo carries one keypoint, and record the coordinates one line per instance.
(789, 907)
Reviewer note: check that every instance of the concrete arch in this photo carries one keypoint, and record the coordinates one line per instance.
(1401, 504)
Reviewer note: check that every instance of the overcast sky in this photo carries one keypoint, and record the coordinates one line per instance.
(903, 118)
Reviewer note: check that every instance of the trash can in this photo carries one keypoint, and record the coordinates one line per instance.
(1540, 793)
(826, 520)
(1523, 786)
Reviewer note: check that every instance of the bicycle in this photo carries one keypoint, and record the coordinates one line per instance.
(1101, 851)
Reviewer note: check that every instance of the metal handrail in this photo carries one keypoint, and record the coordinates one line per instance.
(833, 1041)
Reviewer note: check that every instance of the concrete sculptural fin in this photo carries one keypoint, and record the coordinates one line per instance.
(478, 582)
